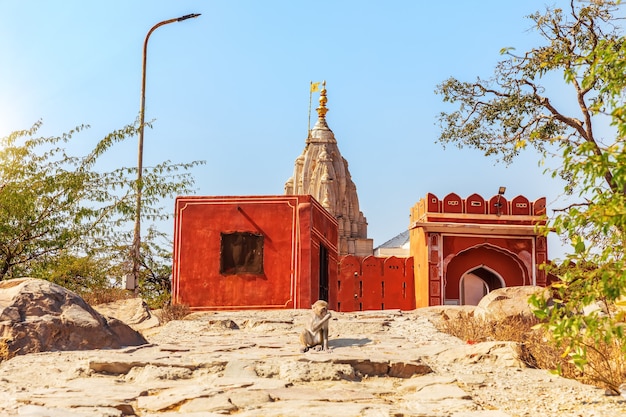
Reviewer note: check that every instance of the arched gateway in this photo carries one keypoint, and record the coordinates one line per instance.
(477, 283)
(465, 248)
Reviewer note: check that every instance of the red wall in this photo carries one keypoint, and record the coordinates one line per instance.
(293, 228)
(373, 283)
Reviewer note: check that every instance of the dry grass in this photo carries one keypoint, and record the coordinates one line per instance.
(105, 295)
(5, 350)
(166, 313)
(606, 367)
(173, 312)
(536, 347)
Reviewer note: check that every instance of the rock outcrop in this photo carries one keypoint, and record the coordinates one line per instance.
(39, 316)
(248, 363)
(507, 302)
(133, 311)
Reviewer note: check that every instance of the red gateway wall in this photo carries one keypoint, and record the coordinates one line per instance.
(373, 283)
(464, 248)
(252, 252)
(265, 252)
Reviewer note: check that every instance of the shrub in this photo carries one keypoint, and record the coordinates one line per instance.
(606, 366)
(171, 312)
(103, 295)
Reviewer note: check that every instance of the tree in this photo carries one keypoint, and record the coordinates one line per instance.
(511, 112)
(61, 216)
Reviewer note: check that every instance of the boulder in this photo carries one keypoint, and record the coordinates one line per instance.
(132, 311)
(39, 316)
(500, 354)
(507, 302)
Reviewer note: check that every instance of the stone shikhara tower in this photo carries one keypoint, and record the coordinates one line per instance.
(322, 172)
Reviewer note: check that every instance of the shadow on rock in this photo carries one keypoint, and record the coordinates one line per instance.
(348, 342)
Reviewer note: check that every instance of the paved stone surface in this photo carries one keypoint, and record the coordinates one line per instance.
(247, 363)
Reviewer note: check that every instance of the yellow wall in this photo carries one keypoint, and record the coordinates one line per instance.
(419, 252)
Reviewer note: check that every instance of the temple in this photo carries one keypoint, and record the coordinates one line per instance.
(287, 251)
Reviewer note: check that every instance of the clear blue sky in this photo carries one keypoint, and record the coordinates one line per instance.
(232, 88)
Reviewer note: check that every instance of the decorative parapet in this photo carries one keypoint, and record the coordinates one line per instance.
(491, 215)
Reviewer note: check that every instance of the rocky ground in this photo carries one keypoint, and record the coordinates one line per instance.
(247, 363)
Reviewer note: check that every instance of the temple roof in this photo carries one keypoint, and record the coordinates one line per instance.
(322, 172)
(396, 241)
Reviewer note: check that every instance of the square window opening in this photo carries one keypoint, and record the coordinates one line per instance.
(241, 253)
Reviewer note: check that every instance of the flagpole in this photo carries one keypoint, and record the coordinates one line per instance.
(313, 87)
(308, 133)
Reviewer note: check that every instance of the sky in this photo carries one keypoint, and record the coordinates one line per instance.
(231, 88)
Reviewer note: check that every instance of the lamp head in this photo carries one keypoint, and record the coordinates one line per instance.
(187, 16)
(501, 190)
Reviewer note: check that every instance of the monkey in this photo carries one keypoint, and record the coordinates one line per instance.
(315, 335)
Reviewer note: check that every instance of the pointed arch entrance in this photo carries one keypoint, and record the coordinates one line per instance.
(472, 273)
(478, 282)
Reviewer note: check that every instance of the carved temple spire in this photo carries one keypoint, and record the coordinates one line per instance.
(322, 172)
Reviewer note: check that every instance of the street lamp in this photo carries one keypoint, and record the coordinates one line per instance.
(136, 250)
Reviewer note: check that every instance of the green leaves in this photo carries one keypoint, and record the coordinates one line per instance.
(579, 245)
(59, 215)
(511, 112)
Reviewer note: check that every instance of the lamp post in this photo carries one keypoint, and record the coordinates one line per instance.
(136, 250)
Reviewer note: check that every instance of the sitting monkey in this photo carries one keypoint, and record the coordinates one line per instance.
(315, 335)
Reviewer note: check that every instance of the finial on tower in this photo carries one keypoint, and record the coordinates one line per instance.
(322, 110)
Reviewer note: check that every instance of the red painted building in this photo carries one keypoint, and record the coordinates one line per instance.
(252, 252)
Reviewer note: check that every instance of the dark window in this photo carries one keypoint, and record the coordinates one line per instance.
(241, 253)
